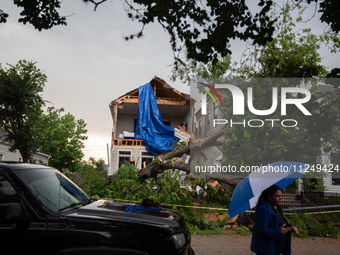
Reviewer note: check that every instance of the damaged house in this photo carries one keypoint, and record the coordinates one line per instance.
(143, 123)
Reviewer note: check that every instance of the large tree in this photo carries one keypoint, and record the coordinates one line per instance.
(61, 136)
(21, 105)
(291, 55)
(202, 28)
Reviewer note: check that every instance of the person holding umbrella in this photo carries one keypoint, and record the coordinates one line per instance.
(271, 234)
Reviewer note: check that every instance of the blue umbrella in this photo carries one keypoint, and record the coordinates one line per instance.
(248, 191)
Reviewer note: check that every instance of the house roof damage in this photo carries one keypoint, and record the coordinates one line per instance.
(164, 93)
(168, 102)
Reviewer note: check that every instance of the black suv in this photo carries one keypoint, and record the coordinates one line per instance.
(43, 212)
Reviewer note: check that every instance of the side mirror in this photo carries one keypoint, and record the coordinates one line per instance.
(12, 213)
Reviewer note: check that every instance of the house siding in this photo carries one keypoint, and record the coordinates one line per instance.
(42, 158)
(136, 152)
(326, 159)
(16, 156)
(7, 155)
(211, 130)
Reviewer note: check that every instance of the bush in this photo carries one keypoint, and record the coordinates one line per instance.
(94, 181)
(315, 225)
(164, 189)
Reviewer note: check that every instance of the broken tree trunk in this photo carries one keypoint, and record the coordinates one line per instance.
(163, 162)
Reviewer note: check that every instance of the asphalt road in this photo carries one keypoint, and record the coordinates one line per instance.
(240, 245)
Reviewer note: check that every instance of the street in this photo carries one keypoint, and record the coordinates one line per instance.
(240, 245)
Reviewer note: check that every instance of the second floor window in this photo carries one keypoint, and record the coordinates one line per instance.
(199, 128)
(207, 128)
(215, 112)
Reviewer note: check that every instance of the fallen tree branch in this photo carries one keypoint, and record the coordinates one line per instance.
(163, 166)
(230, 181)
(160, 164)
(141, 187)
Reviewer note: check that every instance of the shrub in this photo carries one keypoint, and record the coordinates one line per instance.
(315, 225)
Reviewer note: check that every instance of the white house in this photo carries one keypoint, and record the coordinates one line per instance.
(6, 155)
(174, 108)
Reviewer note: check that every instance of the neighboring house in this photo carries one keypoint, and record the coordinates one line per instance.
(332, 177)
(204, 124)
(174, 108)
(6, 155)
(204, 128)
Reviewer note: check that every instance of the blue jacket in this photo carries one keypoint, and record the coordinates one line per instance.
(267, 233)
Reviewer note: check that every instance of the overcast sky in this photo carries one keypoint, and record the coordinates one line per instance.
(88, 64)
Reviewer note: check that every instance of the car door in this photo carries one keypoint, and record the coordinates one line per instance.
(21, 232)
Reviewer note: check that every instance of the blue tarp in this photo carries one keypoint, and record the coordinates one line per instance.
(140, 209)
(158, 138)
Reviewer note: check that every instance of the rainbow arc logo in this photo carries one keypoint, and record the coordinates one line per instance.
(204, 100)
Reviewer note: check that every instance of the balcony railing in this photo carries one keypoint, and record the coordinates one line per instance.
(127, 142)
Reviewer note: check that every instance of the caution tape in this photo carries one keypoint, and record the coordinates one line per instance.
(220, 209)
(318, 212)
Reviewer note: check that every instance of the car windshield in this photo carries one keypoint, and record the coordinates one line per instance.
(56, 191)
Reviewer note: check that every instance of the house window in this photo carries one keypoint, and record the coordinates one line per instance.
(215, 112)
(1, 157)
(207, 128)
(123, 156)
(20, 160)
(199, 128)
(147, 158)
(336, 178)
(335, 160)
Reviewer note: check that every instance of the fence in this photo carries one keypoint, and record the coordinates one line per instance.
(308, 198)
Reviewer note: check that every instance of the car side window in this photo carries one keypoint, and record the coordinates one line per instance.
(7, 192)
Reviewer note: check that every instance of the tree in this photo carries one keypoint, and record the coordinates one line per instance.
(42, 14)
(99, 165)
(20, 106)
(274, 141)
(61, 136)
(205, 28)
(288, 55)
(333, 77)
(291, 55)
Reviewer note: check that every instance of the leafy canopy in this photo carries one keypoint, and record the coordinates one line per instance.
(203, 28)
(61, 136)
(21, 105)
(291, 55)
(28, 129)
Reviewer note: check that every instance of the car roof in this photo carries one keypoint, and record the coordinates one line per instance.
(23, 166)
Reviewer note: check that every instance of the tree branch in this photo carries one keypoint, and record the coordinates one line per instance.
(96, 4)
(160, 164)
